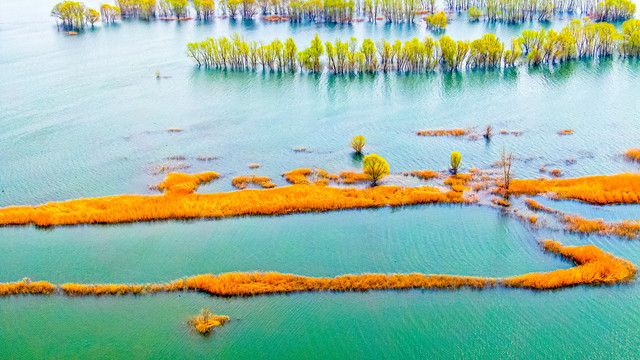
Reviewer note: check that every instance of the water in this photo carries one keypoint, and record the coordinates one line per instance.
(84, 116)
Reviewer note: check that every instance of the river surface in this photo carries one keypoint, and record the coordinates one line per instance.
(85, 116)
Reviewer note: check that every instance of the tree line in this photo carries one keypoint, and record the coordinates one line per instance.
(514, 11)
(74, 14)
(577, 40)
(331, 11)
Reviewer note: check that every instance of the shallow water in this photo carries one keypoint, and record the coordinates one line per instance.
(85, 116)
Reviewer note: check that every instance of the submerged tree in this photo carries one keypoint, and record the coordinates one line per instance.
(436, 21)
(488, 132)
(630, 46)
(109, 13)
(375, 167)
(474, 13)
(357, 143)
(71, 13)
(456, 159)
(506, 159)
(179, 7)
(92, 16)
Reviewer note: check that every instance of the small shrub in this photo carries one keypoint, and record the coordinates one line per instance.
(456, 159)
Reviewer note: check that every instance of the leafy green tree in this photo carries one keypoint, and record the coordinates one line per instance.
(357, 143)
(456, 159)
(375, 167)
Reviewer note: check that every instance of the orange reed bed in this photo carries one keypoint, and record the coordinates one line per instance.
(183, 184)
(565, 132)
(442, 132)
(458, 182)
(306, 176)
(633, 154)
(601, 189)
(629, 229)
(241, 182)
(206, 321)
(178, 204)
(350, 177)
(594, 266)
(576, 224)
(425, 174)
(26, 286)
(536, 206)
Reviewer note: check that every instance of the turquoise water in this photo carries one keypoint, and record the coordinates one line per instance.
(85, 116)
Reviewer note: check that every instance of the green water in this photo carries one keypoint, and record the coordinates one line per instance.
(85, 116)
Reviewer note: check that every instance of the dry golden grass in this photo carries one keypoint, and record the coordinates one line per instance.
(556, 172)
(500, 202)
(179, 202)
(536, 206)
(302, 177)
(205, 321)
(601, 190)
(350, 177)
(574, 223)
(425, 174)
(25, 287)
(594, 266)
(73, 289)
(241, 182)
(629, 229)
(442, 132)
(633, 154)
(182, 184)
(565, 132)
(459, 182)
(298, 176)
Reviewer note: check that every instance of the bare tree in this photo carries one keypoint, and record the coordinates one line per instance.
(506, 159)
(488, 132)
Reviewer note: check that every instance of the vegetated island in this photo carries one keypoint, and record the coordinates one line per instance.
(310, 193)
(594, 267)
